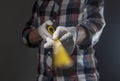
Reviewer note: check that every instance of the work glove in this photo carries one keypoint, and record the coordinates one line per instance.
(42, 30)
(67, 35)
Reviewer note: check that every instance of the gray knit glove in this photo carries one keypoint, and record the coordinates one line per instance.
(68, 37)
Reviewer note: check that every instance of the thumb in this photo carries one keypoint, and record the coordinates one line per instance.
(48, 22)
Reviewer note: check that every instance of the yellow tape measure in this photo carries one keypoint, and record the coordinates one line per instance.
(51, 29)
(61, 58)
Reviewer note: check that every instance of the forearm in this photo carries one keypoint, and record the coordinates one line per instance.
(92, 22)
(34, 37)
(81, 35)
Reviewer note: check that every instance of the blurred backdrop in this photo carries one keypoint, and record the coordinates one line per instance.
(19, 63)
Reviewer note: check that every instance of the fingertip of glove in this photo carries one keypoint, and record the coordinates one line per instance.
(49, 22)
(47, 45)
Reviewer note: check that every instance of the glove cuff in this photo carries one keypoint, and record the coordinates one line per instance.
(74, 32)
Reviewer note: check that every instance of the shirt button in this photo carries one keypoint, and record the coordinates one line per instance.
(53, 20)
(48, 70)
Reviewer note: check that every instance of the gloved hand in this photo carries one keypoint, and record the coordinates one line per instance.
(42, 30)
(68, 36)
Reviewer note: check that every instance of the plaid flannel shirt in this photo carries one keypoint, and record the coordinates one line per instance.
(81, 13)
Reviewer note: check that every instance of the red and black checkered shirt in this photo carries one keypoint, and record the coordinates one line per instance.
(84, 13)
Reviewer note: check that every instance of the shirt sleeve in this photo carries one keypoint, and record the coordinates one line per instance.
(93, 21)
(30, 25)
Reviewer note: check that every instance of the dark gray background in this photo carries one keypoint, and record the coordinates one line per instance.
(18, 63)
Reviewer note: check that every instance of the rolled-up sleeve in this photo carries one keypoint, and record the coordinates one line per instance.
(92, 21)
(29, 26)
